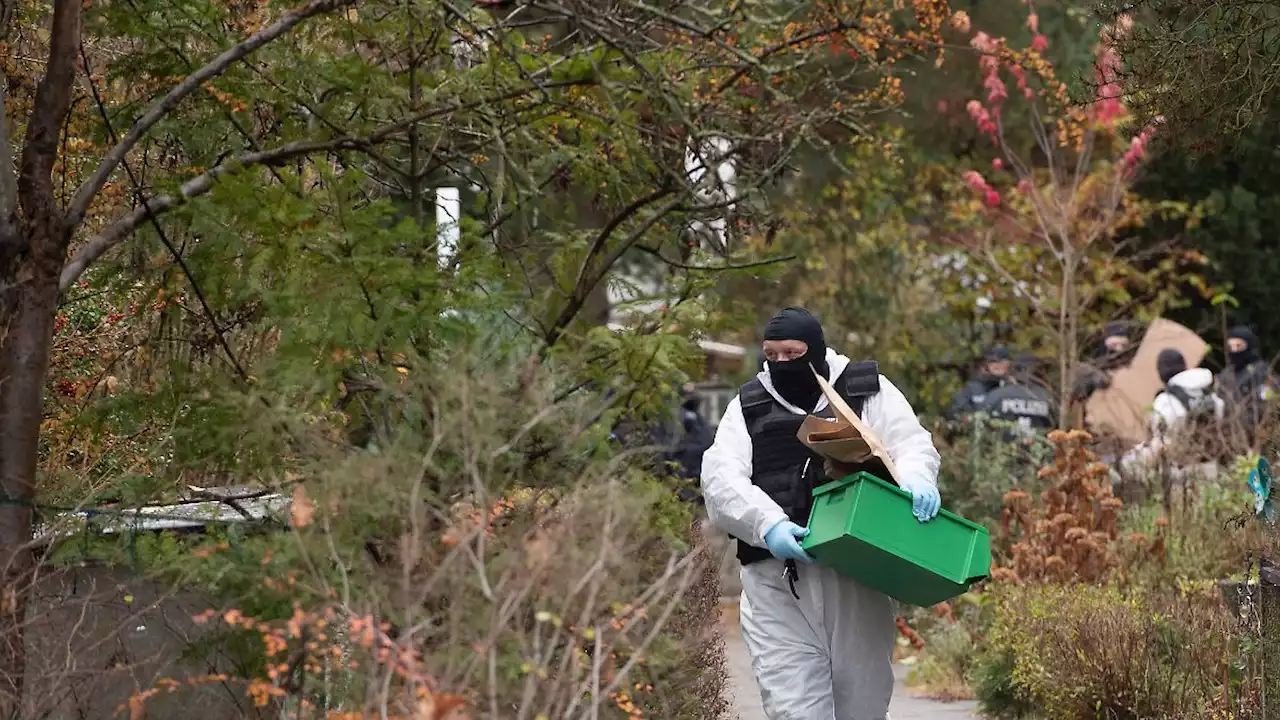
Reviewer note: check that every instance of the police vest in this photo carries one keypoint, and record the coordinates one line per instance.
(780, 464)
(1026, 405)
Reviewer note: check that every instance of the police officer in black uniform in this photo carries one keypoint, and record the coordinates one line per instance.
(974, 396)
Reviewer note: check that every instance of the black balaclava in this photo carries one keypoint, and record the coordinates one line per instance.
(688, 399)
(793, 379)
(1248, 356)
(1169, 363)
(1025, 366)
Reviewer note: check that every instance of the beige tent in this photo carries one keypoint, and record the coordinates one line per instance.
(1123, 409)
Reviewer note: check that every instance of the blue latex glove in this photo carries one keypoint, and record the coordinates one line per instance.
(925, 501)
(782, 542)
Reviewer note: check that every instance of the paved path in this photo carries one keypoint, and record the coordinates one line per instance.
(746, 695)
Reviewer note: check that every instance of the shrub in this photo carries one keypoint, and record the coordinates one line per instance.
(1058, 554)
(704, 693)
(952, 635)
(941, 673)
(982, 465)
(992, 682)
(1071, 535)
(1204, 538)
(494, 550)
(1080, 651)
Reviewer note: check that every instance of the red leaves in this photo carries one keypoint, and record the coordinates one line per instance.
(990, 196)
(1137, 148)
(837, 46)
(916, 641)
(982, 118)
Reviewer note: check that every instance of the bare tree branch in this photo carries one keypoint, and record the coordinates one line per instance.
(714, 268)
(121, 229)
(588, 280)
(158, 110)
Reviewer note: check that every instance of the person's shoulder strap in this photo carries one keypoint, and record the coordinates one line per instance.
(1182, 396)
(859, 381)
(756, 400)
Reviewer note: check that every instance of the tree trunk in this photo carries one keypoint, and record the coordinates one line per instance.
(28, 302)
(32, 252)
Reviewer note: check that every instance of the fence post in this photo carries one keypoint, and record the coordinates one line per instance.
(1269, 646)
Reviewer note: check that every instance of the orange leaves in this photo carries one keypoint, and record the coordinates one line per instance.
(312, 642)
(470, 520)
(428, 706)
(302, 511)
(137, 703)
(231, 102)
(261, 692)
(440, 706)
(625, 704)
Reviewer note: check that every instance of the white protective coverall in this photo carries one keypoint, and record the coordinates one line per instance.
(1168, 413)
(827, 655)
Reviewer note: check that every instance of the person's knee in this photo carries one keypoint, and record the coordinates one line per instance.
(795, 704)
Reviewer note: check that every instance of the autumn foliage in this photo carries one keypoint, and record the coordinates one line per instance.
(1070, 535)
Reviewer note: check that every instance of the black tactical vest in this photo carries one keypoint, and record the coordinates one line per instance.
(780, 464)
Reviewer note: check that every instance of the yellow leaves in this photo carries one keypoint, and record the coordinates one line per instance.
(226, 99)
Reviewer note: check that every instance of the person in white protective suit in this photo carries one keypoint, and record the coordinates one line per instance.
(1186, 408)
(821, 644)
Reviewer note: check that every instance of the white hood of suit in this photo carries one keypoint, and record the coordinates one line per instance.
(1197, 382)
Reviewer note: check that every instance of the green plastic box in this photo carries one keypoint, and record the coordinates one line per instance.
(862, 527)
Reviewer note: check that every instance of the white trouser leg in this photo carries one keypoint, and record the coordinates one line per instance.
(788, 646)
(825, 656)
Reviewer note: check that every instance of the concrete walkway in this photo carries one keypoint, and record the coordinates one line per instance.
(746, 696)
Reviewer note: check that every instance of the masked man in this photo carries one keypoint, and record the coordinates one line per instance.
(821, 645)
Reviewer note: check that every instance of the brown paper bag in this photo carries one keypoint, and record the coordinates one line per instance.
(846, 442)
(838, 442)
